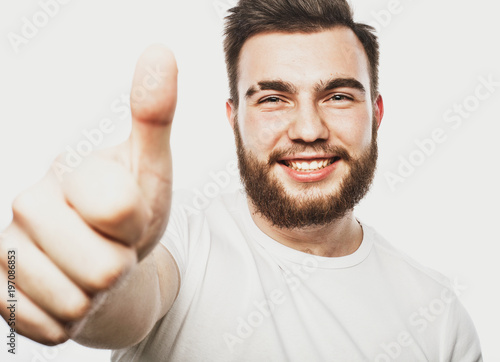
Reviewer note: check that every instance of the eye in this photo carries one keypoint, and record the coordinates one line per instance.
(340, 98)
(270, 100)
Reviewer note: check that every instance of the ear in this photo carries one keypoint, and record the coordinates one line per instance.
(378, 109)
(230, 112)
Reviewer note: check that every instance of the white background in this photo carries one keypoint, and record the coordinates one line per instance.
(67, 77)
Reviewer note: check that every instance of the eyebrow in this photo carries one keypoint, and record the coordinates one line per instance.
(339, 83)
(277, 85)
(287, 87)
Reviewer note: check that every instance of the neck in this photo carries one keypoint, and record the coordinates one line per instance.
(339, 238)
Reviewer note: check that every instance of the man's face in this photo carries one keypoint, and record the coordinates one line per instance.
(305, 126)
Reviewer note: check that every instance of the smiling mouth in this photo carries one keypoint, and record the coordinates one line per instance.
(309, 165)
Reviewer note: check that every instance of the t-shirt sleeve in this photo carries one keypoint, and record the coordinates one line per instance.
(460, 339)
(176, 236)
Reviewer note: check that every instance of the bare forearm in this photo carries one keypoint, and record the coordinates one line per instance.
(129, 310)
(126, 313)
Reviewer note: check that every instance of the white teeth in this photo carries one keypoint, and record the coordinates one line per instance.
(309, 166)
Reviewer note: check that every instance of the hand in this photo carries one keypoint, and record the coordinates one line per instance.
(77, 234)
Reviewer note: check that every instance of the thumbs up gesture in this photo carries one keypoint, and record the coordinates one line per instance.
(77, 235)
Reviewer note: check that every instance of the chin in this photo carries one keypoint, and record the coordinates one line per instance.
(318, 190)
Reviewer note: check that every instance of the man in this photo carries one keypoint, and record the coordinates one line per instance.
(283, 271)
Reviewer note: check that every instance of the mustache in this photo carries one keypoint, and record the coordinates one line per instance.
(316, 146)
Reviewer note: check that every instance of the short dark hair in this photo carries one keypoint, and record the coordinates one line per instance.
(251, 17)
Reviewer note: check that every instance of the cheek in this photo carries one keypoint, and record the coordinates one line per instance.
(353, 129)
(264, 129)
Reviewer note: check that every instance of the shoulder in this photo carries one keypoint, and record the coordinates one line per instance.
(427, 298)
(403, 267)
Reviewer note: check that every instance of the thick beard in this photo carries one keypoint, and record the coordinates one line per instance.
(282, 210)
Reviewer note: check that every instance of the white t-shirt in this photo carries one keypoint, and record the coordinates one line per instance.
(246, 297)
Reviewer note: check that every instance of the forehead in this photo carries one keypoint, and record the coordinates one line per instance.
(303, 59)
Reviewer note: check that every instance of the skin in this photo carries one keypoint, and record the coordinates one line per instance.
(271, 117)
(94, 233)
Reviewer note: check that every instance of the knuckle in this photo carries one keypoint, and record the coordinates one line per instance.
(103, 276)
(120, 211)
(76, 308)
(23, 205)
(54, 337)
(49, 336)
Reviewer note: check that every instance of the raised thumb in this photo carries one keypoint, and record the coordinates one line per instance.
(153, 100)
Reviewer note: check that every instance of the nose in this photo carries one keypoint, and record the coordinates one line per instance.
(308, 125)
